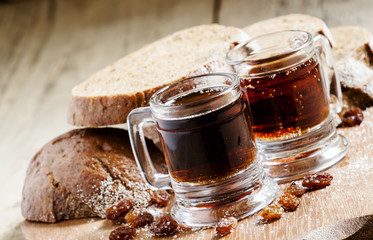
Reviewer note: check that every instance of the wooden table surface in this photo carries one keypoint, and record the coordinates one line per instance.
(47, 47)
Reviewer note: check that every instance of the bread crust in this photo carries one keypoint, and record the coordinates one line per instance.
(81, 173)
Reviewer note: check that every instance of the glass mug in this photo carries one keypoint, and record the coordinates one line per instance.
(210, 150)
(289, 83)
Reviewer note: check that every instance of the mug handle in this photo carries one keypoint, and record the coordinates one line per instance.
(135, 121)
(333, 87)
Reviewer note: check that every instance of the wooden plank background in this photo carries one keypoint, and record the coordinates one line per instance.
(48, 46)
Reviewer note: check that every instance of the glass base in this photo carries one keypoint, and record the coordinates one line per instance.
(293, 159)
(239, 204)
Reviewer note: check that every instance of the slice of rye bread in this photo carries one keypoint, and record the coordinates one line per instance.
(303, 22)
(353, 55)
(81, 173)
(353, 41)
(108, 96)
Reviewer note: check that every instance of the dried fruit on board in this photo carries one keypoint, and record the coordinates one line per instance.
(225, 226)
(161, 197)
(164, 226)
(139, 219)
(295, 189)
(317, 180)
(271, 212)
(288, 202)
(352, 117)
(118, 212)
(123, 233)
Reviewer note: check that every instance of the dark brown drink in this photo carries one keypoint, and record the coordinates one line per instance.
(288, 103)
(208, 147)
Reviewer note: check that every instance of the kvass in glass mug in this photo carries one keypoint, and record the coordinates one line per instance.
(210, 150)
(293, 92)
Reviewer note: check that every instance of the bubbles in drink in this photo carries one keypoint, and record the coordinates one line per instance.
(288, 104)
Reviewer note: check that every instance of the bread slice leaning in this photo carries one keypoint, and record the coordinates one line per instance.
(109, 95)
(353, 54)
(353, 41)
(303, 22)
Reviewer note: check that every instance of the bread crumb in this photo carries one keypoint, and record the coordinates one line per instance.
(112, 191)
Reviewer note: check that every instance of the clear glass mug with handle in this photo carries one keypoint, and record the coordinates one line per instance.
(289, 82)
(210, 151)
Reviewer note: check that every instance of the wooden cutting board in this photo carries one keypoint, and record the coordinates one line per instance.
(350, 195)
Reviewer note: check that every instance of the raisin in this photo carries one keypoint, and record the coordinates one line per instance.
(288, 202)
(318, 180)
(295, 189)
(271, 212)
(118, 212)
(352, 117)
(139, 219)
(123, 233)
(164, 226)
(225, 226)
(161, 197)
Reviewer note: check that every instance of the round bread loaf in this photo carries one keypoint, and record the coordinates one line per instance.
(83, 172)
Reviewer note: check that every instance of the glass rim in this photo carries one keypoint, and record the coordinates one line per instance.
(255, 61)
(156, 104)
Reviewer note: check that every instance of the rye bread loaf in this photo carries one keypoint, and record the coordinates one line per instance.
(109, 95)
(353, 54)
(81, 173)
(303, 22)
